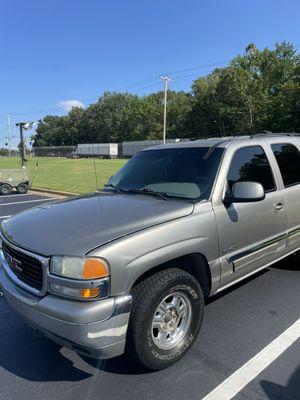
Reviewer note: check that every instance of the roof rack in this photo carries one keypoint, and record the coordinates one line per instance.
(273, 134)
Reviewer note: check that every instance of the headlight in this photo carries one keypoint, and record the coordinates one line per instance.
(79, 277)
(79, 267)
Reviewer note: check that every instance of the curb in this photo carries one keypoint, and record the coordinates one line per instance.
(50, 191)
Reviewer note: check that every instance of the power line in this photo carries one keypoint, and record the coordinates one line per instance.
(131, 87)
(217, 64)
(147, 87)
(35, 112)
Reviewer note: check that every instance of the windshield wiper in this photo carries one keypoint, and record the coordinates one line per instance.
(116, 188)
(148, 191)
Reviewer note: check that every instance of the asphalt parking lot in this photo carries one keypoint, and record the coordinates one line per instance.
(239, 324)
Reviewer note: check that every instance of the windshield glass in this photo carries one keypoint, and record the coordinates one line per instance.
(178, 172)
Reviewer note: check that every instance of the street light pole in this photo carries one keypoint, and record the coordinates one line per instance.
(166, 80)
(22, 145)
(23, 126)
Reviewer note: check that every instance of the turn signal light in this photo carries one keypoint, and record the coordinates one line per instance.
(94, 268)
(90, 293)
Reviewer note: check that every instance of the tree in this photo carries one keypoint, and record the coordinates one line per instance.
(258, 91)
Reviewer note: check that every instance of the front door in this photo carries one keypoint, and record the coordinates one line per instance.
(251, 234)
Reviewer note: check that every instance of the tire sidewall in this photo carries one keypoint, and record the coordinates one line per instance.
(5, 192)
(162, 358)
(24, 188)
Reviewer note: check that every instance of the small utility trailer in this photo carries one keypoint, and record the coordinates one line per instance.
(14, 179)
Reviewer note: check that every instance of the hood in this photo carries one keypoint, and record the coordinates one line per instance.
(79, 225)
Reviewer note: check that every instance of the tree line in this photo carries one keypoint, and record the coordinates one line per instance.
(258, 91)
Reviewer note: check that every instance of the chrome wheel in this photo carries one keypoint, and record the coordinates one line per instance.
(171, 321)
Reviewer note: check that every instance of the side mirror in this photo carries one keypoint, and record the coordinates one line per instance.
(244, 192)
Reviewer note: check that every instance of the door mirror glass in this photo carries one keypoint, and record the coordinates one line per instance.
(243, 192)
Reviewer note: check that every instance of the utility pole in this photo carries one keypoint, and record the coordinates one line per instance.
(9, 135)
(166, 80)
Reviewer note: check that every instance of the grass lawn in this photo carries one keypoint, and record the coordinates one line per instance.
(70, 175)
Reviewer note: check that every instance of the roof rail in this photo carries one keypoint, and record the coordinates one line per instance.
(273, 134)
(211, 149)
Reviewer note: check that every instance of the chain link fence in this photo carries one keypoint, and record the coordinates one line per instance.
(101, 150)
(53, 151)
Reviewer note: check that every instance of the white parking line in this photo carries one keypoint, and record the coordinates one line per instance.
(16, 195)
(249, 371)
(28, 201)
(5, 216)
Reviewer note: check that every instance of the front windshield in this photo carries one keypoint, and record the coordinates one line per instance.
(177, 172)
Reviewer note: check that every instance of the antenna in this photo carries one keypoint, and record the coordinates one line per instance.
(95, 168)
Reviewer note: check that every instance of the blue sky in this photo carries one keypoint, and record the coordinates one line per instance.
(55, 51)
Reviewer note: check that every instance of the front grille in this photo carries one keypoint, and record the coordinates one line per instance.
(27, 269)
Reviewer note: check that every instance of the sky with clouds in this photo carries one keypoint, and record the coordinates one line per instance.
(61, 53)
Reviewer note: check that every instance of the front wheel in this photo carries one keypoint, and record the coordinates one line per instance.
(166, 317)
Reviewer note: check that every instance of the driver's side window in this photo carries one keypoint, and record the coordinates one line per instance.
(251, 164)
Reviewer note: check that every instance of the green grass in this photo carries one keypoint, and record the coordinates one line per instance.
(69, 175)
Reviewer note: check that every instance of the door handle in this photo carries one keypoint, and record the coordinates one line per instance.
(278, 206)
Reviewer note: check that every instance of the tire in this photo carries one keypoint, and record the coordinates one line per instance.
(5, 188)
(22, 188)
(157, 345)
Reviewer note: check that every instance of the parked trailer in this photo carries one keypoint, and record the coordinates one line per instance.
(14, 179)
(129, 149)
(109, 150)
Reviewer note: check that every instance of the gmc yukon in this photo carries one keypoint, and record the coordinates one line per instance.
(128, 268)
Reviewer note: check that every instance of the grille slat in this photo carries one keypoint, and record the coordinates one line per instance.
(28, 269)
(26, 279)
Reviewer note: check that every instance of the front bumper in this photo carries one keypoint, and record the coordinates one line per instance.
(96, 329)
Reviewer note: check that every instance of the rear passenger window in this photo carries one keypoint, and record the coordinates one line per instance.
(288, 159)
(251, 164)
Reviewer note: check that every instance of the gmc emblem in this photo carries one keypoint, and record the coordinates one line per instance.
(14, 264)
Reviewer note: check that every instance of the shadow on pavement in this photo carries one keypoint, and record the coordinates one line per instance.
(291, 263)
(32, 358)
(123, 365)
(279, 392)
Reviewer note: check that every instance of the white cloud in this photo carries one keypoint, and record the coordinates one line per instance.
(69, 104)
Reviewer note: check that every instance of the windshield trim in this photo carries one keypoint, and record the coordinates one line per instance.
(217, 174)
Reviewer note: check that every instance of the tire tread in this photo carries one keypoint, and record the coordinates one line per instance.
(142, 294)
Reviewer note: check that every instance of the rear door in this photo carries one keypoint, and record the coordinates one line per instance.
(288, 158)
(251, 235)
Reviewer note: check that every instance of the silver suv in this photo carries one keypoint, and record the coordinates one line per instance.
(129, 267)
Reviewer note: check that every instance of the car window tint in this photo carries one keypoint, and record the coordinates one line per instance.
(288, 159)
(187, 172)
(251, 164)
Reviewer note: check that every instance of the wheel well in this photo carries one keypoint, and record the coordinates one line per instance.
(196, 264)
